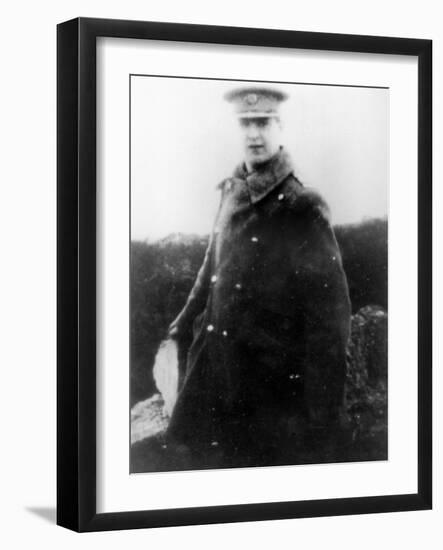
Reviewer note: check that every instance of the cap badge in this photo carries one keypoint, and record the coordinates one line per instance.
(251, 99)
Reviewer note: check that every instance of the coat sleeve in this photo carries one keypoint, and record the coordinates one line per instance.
(199, 293)
(325, 305)
(196, 300)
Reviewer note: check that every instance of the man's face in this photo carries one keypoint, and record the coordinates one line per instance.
(261, 139)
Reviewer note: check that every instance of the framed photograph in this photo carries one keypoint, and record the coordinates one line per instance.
(244, 274)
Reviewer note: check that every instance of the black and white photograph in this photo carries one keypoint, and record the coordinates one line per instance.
(244, 274)
(221, 268)
(258, 273)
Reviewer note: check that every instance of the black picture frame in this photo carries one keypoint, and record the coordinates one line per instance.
(76, 265)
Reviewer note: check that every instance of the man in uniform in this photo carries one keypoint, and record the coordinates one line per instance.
(268, 317)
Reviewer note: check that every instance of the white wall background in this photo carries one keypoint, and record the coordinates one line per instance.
(27, 289)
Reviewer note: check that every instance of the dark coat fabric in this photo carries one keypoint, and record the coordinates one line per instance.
(269, 314)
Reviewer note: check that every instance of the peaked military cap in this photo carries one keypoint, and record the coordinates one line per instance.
(256, 102)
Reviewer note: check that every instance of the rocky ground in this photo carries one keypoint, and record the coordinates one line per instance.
(364, 421)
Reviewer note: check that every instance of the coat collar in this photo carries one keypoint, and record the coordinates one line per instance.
(263, 180)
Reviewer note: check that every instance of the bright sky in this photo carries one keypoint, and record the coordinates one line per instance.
(184, 140)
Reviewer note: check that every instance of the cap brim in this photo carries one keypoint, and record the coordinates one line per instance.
(258, 114)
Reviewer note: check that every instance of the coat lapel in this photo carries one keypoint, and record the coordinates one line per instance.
(262, 181)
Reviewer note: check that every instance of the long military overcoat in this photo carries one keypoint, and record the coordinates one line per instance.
(269, 313)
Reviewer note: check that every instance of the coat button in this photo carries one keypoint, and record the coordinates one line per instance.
(210, 328)
(213, 278)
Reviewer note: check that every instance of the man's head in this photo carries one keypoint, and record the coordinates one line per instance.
(257, 110)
